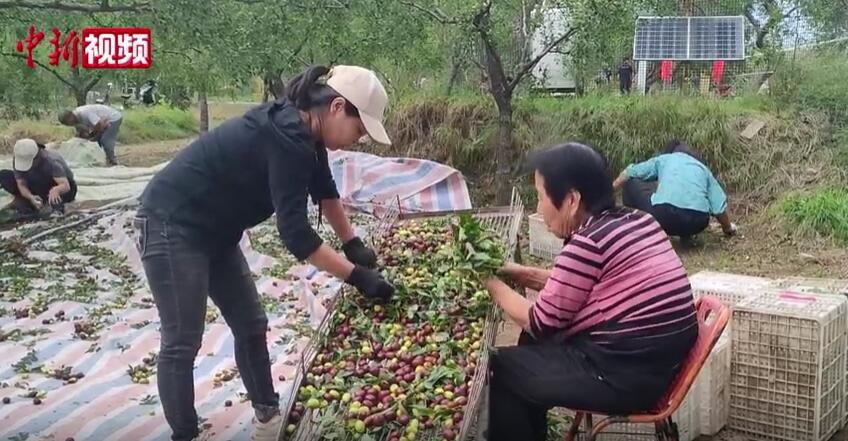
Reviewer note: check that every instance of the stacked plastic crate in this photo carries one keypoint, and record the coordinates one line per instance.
(821, 286)
(788, 366)
(731, 289)
(713, 382)
(712, 386)
(543, 243)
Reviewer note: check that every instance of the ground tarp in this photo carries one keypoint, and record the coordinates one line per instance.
(66, 273)
(366, 182)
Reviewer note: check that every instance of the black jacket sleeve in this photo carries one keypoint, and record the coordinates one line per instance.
(289, 175)
(323, 186)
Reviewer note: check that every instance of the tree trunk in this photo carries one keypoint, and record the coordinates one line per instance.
(274, 86)
(456, 69)
(80, 96)
(204, 111)
(503, 152)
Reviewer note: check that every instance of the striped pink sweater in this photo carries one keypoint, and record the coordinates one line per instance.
(618, 280)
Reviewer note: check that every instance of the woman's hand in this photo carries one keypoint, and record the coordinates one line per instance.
(491, 283)
(514, 305)
(36, 202)
(54, 197)
(356, 252)
(514, 271)
(526, 276)
(620, 180)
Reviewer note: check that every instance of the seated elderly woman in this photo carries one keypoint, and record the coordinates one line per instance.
(614, 319)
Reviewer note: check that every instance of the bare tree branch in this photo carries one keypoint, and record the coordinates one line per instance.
(94, 81)
(42, 65)
(528, 66)
(102, 6)
(790, 12)
(310, 7)
(434, 13)
(479, 65)
(182, 54)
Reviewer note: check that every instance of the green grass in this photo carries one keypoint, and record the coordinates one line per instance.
(140, 125)
(634, 128)
(156, 124)
(816, 81)
(840, 140)
(824, 212)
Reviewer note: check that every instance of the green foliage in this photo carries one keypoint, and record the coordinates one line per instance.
(635, 128)
(790, 152)
(824, 212)
(156, 123)
(828, 16)
(23, 92)
(816, 82)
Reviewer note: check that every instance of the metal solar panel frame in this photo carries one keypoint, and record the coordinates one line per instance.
(689, 34)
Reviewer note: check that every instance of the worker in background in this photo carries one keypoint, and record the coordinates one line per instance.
(40, 181)
(195, 211)
(625, 76)
(678, 190)
(97, 122)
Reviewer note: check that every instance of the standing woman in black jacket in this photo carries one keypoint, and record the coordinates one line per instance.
(194, 211)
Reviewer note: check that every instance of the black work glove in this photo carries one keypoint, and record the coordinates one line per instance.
(356, 252)
(370, 283)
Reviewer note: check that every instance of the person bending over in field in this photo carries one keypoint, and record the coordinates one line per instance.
(678, 190)
(194, 212)
(614, 318)
(96, 122)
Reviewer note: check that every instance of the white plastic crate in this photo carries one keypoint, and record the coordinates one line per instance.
(788, 366)
(821, 286)
(713, 385)
(814, 286)
(731, 289)
(686, 417)
(543, 243)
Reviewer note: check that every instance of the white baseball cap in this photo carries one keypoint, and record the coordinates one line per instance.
(361, 88)
(24, 153)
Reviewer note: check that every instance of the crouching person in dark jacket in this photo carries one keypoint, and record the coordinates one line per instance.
(40, 181)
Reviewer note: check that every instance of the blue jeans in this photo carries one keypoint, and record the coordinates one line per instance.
(181, 276)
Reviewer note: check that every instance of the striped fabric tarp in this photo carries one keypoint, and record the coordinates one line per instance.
(370, 182)
(106, 404)
(364, 181)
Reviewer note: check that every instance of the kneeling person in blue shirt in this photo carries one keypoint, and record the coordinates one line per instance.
(678, 190)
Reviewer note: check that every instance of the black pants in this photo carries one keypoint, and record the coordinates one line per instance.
(529, 379)
(181, 276)
(40, 186)
(624, 86)
(674, 220)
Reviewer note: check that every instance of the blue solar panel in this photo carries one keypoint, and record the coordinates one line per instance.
(689, 38)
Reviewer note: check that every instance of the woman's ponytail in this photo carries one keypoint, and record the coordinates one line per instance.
(303, 89)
